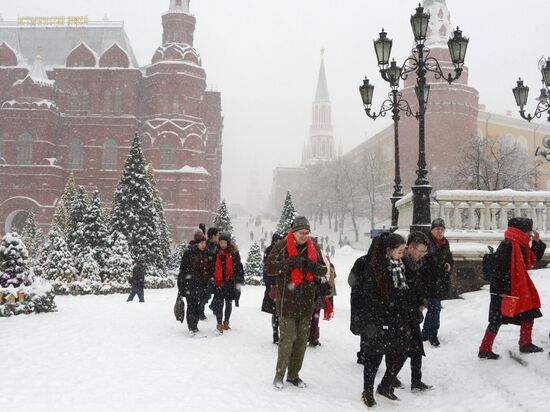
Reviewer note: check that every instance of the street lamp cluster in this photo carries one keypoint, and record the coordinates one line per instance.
(419, 63)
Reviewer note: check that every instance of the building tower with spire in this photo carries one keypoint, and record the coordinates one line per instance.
(320, 145)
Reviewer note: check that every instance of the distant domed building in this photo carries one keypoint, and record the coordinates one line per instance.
(72, 96)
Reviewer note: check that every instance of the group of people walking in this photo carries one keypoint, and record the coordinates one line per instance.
(210, 267)
(391, 287)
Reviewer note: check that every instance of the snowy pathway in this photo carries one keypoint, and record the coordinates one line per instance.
(99, 353)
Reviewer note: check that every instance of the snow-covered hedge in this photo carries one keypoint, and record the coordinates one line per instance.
(35, 298)
(253, 280)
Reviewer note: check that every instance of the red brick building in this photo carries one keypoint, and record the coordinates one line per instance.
(72, 96)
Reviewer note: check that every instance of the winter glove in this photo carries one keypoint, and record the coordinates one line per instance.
(324, 287)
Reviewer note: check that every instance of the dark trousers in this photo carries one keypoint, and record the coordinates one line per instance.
(275, 326)
(193, 312)
(416, 368)
(219, 309)
(431, 321)
(136, 291)
(362, 354)
(394, 363)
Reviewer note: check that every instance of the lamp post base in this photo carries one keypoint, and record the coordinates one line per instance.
(422, 220)
(394, 212)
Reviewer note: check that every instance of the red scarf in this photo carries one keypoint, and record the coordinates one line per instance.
(218, 271)
(296, 275)
(441, 242)
(522, 286)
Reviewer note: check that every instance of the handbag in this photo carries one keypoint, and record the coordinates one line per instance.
(508, 306)
(179, 309)
(272, 292)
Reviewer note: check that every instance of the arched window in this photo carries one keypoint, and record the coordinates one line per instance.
(110, 155)
(24, 149)
(167, 156)
(118, 101)
(107, 101)
(85, 101)
(76, 155)
(176, 104)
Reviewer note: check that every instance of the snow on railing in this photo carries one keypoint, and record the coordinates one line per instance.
(482, 210)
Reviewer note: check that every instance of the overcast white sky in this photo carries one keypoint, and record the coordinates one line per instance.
(263, 55)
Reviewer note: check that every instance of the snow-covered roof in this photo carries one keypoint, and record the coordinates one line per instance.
(185, 169)
(55, 43)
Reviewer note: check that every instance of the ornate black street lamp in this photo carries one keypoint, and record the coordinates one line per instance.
(395, 103)
(521, 93)
(421, 63)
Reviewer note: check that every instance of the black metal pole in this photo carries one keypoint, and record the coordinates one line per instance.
(421, 188)
(397, 189)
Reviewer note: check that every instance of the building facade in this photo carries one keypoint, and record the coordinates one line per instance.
(72, 97)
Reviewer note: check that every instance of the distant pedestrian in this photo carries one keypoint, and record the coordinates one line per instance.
(332, 251)
(251, 235)
(137, 281)
(327, 250)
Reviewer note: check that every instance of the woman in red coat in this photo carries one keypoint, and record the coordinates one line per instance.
(514, 298)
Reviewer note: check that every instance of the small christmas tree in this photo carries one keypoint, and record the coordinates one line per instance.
(287, 216)
(222, 220)
(61, 216)
(93, 231)
(119, 265)
(33, 239)
(254, 267)
(133, 213)
(78, 209)
(57, 261)
(14, 262)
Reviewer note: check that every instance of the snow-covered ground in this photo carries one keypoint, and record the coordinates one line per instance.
(99, 353)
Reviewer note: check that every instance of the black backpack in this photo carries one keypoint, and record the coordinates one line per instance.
(489, 264)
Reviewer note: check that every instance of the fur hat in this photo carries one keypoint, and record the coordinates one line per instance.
(225, 236)
(522, 223)
(300, 223)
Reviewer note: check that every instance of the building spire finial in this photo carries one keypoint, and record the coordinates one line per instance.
(179, 6)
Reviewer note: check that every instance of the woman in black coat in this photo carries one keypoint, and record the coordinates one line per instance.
(383, 306)
(191, 278)
(228, 276)
(514, 257)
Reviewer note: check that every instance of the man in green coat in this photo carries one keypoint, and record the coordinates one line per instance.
(297, 263)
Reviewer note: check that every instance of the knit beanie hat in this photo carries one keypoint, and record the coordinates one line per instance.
(199, 236)
(225, 236)
(300, 223)
(438, 223)
(522, 223)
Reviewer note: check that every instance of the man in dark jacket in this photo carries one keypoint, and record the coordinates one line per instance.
(436, 280)
(298, 264)
(511, 281)
(137, 281)
(193, 272)
(417, 247)
(212, 236)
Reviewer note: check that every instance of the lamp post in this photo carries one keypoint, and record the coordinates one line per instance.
(395, 103)
(521, 93)
(421, 63)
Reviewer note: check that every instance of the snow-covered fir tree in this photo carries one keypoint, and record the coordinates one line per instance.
(287, 216)
(174, 260)
(33, 239)
(253, 269)
(94, 231)
(14, 262)
(162, 227)
(79, 208)
(133, 212)
(57, 261)
(119, 265)
(61, 215)
(90, 269)
(222, 220)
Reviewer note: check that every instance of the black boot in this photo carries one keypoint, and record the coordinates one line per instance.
(488, 355)
(386, 392)
(368, 398)
(275, 339)
(398, 384)
(530, 348)
(420, 386)
(434, 341)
